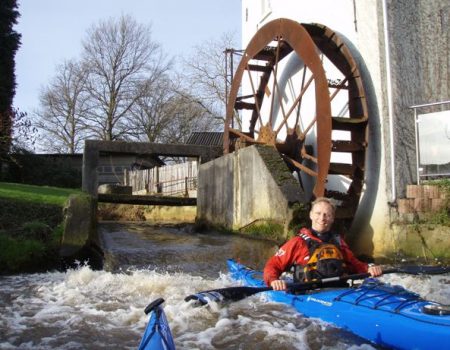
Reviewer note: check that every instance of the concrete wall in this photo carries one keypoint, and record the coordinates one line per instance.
(247, 186)
(80, 240)
(215, 192)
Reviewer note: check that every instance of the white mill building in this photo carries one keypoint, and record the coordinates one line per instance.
(373, 66)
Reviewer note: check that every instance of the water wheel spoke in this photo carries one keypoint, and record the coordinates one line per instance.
(295, 104)
(243, 136)
(257, 107)
(308, 128)
(300, 166)
(305, 155)
(299, 100)
(284, 115)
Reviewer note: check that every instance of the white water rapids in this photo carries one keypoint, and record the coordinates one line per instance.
(86, 309)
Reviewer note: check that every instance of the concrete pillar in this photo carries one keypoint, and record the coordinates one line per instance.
(90, 163)
(251, 185)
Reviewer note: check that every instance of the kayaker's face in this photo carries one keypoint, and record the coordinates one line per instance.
(322, 217)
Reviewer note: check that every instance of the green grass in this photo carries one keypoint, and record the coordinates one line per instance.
(31, 226)
(36, 194)
(441, 217)
(443, 184)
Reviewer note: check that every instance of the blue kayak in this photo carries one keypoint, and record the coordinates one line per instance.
(385, 315)
(157, 335)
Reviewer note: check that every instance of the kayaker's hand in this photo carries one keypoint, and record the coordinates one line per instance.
(278, 285)
(375, 270)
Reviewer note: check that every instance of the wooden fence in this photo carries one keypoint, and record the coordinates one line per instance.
(170, 180)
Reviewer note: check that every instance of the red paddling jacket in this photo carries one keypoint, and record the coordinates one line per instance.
(296, 251)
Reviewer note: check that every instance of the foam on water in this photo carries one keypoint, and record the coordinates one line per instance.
(82, 309)
(435, 288)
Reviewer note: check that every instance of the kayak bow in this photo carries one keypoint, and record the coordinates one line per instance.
(157, 334)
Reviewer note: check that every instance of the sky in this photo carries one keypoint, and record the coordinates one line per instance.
(52, 32)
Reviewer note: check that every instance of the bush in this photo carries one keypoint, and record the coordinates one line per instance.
(20, 255)
(15, 213)
(35, 249)
(42, 170)
(442, 217)
(38, 231)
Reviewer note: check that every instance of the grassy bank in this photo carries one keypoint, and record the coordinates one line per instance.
(30, 226)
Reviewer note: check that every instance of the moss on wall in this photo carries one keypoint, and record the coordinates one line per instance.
(265, 229)
(276, 165)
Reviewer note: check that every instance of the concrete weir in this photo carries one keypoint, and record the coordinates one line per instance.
(80, 240)
(249, 186)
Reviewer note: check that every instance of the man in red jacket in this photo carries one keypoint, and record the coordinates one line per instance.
(316, 253)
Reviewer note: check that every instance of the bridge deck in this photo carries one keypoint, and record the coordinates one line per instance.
(146, 200)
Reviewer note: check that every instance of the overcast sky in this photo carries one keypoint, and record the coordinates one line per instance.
(52, 31)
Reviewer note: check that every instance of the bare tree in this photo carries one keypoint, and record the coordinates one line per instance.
(151, 113)
(187, 116)
(123, 89)
(120, 56)
(63, 106)
(164, 113)
(206, 72)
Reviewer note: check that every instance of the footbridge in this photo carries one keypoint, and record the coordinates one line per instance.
(93, 149)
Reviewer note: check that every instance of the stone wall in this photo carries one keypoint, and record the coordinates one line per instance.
(420, 201)
(417, 230)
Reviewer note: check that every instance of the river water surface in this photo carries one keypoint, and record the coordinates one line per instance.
(86, 309)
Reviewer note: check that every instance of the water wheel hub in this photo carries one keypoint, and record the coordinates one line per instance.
(266, 135)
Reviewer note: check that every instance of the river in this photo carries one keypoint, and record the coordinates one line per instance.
(86, 309)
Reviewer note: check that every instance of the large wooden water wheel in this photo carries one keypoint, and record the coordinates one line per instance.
(303, 94)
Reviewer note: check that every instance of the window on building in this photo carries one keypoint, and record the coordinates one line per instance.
(434, 144)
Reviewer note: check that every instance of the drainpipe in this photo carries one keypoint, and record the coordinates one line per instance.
(390, 103)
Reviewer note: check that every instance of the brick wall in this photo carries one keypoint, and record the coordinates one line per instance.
(421, 199)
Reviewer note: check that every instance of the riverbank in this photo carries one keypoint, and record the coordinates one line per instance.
(31, 226)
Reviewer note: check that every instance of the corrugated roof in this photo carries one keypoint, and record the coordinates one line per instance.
(206, 138)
